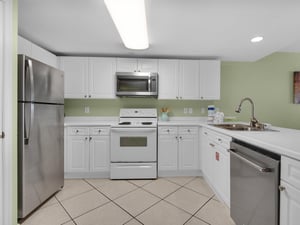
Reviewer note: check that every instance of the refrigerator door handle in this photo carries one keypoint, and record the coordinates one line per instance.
(31, 79)
(28, 124)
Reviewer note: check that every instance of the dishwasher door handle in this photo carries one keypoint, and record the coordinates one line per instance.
(250, 162)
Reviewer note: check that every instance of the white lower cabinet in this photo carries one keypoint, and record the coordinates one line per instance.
(215, 161)
(290, 191)
(87, 152)
(177, 150)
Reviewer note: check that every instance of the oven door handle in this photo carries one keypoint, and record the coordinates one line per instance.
(250, 162)
(132, 129)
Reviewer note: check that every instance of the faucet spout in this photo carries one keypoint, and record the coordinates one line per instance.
(253, 122)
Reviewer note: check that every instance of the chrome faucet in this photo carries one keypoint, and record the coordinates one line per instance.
(253, 122)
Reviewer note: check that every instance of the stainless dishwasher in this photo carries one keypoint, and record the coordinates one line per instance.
(254, 181)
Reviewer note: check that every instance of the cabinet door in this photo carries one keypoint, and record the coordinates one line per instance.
(168, 71)
(189, 79)
(222, 173)
(289, 205)
(126, 64)
(147, 65)
(76, 72)
(167, 152)
(78, 154)
(102, 77)
(188, 152)
(209, 79)
(99, 154)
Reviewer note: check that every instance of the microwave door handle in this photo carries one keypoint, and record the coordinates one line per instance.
(149, 84)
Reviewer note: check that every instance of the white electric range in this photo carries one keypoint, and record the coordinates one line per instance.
(134, 145)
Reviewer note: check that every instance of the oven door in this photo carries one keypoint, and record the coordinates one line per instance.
(133, 144)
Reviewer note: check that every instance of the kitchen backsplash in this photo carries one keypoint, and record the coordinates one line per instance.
(111, 107)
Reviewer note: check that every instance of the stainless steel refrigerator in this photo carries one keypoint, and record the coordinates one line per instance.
(40, 133)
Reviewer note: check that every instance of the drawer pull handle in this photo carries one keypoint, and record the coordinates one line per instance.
(99, 131)
(281, 188)
(168, 131)
(189, 130)
(77, 131)
(205, 133)
(219, 139)
(212, 145)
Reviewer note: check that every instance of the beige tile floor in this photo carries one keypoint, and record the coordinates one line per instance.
(165, 201)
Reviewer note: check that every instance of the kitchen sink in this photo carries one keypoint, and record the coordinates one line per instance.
(240, 127)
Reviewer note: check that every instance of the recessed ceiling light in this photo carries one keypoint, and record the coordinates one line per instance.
(130, 19)
(257, 39)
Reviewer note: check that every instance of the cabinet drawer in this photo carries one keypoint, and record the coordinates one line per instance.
(188, 130)
(167, 130)
(78, 131)
(218, 138)
(97, 131)
(290, 171)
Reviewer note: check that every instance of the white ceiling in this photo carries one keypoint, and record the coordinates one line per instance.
(176, 28)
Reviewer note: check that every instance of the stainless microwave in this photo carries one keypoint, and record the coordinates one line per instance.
(137, 84)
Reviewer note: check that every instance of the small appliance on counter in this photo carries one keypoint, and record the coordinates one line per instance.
(134, 145)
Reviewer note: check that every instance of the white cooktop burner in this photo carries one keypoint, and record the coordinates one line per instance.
(137, 118)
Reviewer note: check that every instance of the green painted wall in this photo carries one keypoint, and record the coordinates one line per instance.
(75, 107)
(269, 82)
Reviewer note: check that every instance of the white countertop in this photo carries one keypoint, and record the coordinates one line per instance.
(282, 141)
(90, 121)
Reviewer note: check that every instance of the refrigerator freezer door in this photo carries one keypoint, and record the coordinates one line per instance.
(38, 82)
(41, 154)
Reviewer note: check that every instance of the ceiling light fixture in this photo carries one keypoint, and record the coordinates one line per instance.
(130, 19)
(257, 39)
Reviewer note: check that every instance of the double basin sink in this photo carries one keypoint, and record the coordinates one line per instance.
(240, 127)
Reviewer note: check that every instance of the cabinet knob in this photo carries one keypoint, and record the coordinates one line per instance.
(212, 145)
(176, 138)
(205, 133)
(90, 96)
(180, 138)
(99, 131)
(201, 97)
(189, 130)
(86, 138)
(90, 138)
(180, 97)
(85, 96)
(176, 97)
(281, 188)
(168, 131)
(77, 131)
(219, 139)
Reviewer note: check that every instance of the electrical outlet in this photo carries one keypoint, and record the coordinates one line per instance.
(185, 110)
(190, 110)
(87, 109)
(202, 110)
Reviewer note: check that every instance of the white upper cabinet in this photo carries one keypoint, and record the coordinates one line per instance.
(102, 77)
(209, 79)
(188, 79)
(32, 50)
(89, 77)
(178, 79)
(168, 70)
(76, 73)
(136, 65)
